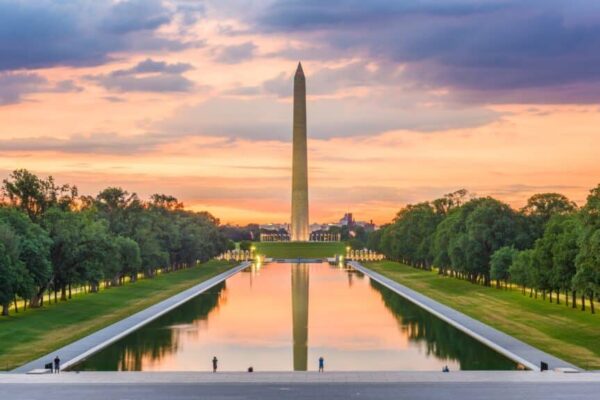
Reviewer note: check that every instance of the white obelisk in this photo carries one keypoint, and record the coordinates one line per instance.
(299, 229)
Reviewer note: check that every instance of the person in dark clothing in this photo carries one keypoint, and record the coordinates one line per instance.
(57, 365)
(215, 361)
(321, 364)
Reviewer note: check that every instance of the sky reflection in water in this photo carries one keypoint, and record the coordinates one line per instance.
(282, 317)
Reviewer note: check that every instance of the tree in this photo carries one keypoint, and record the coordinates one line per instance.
(567, 230)
(358, 237)
(34, 195)
(542, 206)
(64, 228)
(82, 251)
(465, 241)
(388, 239)
(118, 207)
(98, 255)
(10, 265)
(444, 241)
(34, 253)
(151, 253)
(166, 202)
(129, 257)
(587, 262)
(49, 244)
(374, 239)
(520, 269)
(450, 201)
(587, 277)
(412, 234)
(500, 264)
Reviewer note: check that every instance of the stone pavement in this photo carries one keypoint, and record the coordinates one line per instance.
(504, 385)
(82, 348)
(505, 344)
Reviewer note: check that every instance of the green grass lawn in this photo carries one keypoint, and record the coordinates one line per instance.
(28, 335)
(300, 249)
(570, 334)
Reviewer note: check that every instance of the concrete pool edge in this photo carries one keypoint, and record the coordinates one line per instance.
(145, 378)
(82, 348)
(501, 342)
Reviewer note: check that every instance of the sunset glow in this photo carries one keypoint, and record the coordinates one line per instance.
(199, 106)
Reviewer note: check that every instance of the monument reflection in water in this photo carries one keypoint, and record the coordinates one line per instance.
(300, 276)
(282, 317)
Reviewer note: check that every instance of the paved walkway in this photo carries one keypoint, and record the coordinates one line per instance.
(513, 348)
(302, 385)
(114, 377)
(80, 349)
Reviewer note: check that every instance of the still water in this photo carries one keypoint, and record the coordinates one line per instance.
(283, 317)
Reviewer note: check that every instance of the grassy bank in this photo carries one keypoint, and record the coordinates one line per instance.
(300, 249)
(31, 334)
(568, 333)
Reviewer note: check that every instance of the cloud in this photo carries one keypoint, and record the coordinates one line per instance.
(245, 91)
(544, 50)
(46, 33)
(191, 11)
(149, 65)
(264, 118)
(235, 54)
(147, 76)
(357, 98)
(329, 80)
(93, 143)
(14, 86)
(524, 189)
(130, 16)
(114, 99)
(160, 83)
(100, 143)
(107, 143)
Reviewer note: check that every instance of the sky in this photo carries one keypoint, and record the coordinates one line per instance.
(407, 100)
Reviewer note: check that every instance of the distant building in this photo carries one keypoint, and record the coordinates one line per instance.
(369, 226)
(280, 232)
(318, 227)
(325, 236)
(347, 220)
(275, 227)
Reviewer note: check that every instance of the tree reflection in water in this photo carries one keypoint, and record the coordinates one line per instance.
(441, 339)
(157, 339)
(178, 339)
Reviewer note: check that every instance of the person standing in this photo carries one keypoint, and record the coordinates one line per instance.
(57, 365)
(321, 364)
(215, 361)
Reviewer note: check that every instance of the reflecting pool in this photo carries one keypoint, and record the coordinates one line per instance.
(283, 317)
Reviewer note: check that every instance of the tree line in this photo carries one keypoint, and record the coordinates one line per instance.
(549, 247)
(53, 240)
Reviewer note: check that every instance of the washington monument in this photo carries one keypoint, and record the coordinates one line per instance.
(299, 230)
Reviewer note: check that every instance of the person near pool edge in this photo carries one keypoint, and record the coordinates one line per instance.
(56, 365)
(321, 364)
(215, 361)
